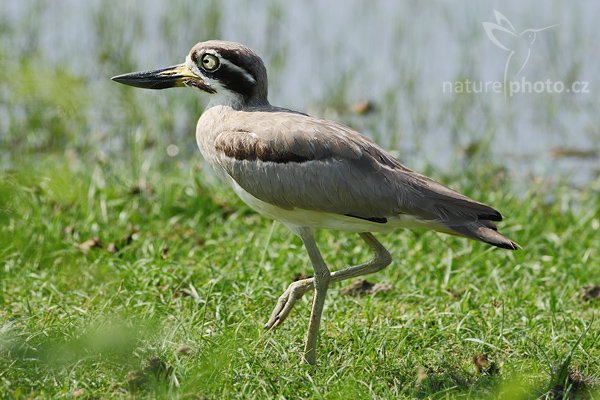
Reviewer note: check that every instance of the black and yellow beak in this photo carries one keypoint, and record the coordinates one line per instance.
(164, 78)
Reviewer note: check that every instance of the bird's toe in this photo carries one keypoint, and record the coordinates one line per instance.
(287, 300)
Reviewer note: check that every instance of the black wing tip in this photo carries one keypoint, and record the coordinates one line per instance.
(509, 245)
(493, 216)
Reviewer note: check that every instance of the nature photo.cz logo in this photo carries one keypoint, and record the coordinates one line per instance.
(519, 46)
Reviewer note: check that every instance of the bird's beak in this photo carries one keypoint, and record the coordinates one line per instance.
(164, 78)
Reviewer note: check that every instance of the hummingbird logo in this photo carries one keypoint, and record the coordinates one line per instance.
(518, 45)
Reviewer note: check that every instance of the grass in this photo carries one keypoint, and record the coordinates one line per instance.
(112, 289)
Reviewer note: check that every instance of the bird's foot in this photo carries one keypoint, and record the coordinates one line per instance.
(286, 301)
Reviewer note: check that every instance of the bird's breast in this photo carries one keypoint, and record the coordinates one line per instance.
(209, 126)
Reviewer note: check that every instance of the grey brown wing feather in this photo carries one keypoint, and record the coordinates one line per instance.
(296, 161)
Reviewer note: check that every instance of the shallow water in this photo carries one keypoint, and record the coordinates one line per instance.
(325, 56)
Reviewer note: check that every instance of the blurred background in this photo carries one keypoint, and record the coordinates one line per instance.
(378, 66)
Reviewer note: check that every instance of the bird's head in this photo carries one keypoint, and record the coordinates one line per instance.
(231, 72)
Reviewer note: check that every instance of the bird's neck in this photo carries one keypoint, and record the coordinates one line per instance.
(235, 101)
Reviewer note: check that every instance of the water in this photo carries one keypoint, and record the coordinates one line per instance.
(325, 56)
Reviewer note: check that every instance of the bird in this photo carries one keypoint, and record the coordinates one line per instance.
(310, 173)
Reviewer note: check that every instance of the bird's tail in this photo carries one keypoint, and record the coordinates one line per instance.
(485, 231)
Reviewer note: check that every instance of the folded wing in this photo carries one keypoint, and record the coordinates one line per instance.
(296, 161)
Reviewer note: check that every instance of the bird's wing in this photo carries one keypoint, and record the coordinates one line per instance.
(296, 161)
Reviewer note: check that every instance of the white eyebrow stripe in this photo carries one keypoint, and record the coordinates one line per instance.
(231, 65)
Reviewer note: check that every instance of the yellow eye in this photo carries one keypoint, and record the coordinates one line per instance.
(210, 62)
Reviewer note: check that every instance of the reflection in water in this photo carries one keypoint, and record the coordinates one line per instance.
(327, 56)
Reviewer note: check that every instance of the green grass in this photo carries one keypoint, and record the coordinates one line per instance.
(169, 299)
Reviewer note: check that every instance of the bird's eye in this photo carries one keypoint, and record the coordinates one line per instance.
(210, 62)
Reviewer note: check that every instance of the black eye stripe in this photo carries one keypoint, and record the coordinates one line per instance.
(234, 73)
(229, 56)
(234, 80)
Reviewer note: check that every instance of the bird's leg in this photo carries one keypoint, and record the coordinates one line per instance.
(381, 260)
(287, 300)
(297, 289)
(321, 284)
